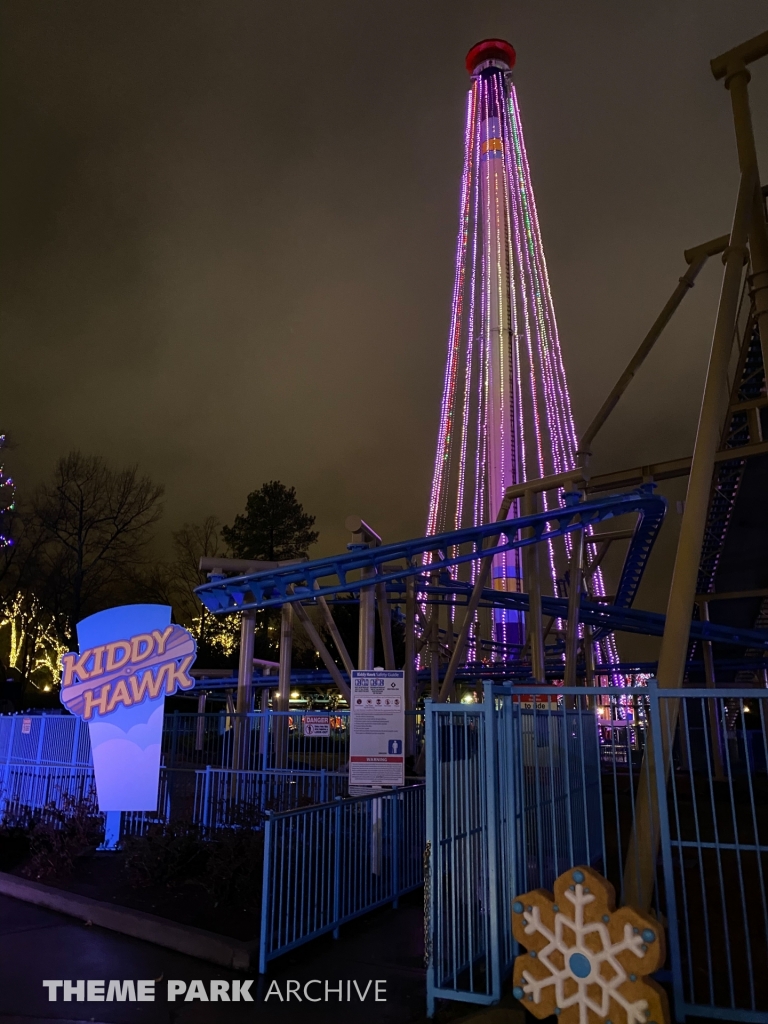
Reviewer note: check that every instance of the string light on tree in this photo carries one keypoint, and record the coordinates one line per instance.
(7, 500)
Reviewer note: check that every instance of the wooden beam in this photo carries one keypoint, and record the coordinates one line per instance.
(667, 470)
(732, 595)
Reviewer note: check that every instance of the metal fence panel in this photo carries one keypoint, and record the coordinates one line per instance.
(513, 799)
(567, 778)
(710, 748)
(462, 862)
(328, 864)
(258, 741)
(37, 786)
(221, 794)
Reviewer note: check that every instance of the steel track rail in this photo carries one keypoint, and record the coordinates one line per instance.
(329, 576)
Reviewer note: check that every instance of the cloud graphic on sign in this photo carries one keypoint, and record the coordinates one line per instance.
(128, 773)
(142, 735)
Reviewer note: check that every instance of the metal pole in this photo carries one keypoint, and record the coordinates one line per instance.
(434, 645)
(385, 624)
(284, 684)
(641, 856)
(322, 650)
(364, 536)
(589, 656)
(474, 600)
(244, 690)
(200, 731)
(286, 645)
(264, 727)
(709, 674)
(333, 629)
(732, 66)
(533, 586)
(699, 257)
(367, 627)
(410, 664)
(574, 606)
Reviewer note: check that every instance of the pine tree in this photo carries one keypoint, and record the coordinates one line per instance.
(274, 527)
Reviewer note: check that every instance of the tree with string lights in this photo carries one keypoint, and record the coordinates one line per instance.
(7, 500)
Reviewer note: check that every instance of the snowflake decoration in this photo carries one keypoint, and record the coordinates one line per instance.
(587, 961)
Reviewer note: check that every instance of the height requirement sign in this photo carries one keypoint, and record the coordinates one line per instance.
(377, 729)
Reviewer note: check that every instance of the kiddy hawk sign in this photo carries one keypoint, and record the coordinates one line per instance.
(130, 659)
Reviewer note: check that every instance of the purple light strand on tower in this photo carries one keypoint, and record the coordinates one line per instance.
(530, 396)
(558, 367)
(442, 461)
(542, 302)
(567, 437)
(533, 255)
(564, 434)
(472, 145)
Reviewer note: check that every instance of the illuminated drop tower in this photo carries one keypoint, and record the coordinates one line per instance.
(505, 415)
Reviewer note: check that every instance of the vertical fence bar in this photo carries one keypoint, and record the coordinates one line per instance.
(428, 856)
(41, 737)
(337, 811)
(493, 880)
(265, 893)
(666, 850)
(395, 846)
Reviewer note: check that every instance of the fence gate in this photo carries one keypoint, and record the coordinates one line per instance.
(513, 799)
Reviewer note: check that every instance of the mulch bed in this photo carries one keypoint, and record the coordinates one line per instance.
(102, 876)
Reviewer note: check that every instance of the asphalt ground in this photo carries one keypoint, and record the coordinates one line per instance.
(38, 944)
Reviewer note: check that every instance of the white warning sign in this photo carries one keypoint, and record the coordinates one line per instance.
(317, 725)
(377, 729)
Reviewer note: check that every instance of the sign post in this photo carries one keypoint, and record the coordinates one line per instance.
(377, 730)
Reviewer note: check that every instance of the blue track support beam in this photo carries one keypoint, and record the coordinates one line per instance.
(631, 620)
(329, 576)
(504, 670)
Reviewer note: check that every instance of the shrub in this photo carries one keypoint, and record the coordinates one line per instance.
(14, 846)
(234, 865)
(169, 853)
(55, 835)
(225, 863)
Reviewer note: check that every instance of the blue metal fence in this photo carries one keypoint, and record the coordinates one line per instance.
(518, 794)
(44, 739)
(259, 741)
(37, 786)
(513, 799)
(220, 793)
(714, 846)
(325, 865)
(210, 762)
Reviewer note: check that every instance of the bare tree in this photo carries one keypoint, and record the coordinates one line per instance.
(191, 543)
(94, 523)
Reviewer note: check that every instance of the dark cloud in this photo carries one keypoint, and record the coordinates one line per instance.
(229, 229)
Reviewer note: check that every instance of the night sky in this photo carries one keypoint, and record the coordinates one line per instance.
(229, 228)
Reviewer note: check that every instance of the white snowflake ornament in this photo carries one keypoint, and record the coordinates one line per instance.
(586, 960)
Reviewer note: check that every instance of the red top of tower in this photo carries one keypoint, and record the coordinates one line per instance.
(490, 49)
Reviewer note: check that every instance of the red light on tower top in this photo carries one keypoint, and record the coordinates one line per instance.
(491, 53)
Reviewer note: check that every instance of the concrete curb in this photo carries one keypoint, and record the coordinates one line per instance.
(204, 945)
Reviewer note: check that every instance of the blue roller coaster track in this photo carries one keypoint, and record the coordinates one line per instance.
(326, 577)
(332, 577)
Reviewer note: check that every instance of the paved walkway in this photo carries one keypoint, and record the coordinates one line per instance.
(37, 944)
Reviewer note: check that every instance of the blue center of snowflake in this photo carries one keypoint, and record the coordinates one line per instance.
(579, 965)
